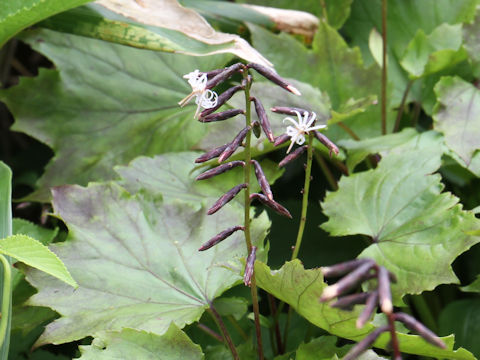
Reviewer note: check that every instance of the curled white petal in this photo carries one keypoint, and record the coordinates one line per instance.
(300, 139)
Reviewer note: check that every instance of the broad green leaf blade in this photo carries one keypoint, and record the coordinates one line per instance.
(399, 205)
(160, 25)
(122, 105)
(33, 253)
(429, 54)
(17, 15)
(471, 36)
(136, 259)
(456, 116)
(301, 289)
(462, 317)
(130, 344)
(25, 227)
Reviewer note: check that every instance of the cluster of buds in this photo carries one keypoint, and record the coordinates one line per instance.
(202, 85)
(353, 274)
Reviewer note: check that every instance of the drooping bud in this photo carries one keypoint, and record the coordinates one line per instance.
(230, 149)
(213, 73)
(220, 169)
(279, 140)
(250, 266)
(365, 344)
(370, 306)
(292, 156)
(224, 199)
(292, 111)
(222, 99)
(227, 114)
(327, 142)
(347, 302)
(220, 237)
(262, 180)
(348, 282)
(262, 115)
(384, 293)
(421, 329)
(211, 154)
(271, 204)
(224, 75)
(273, 77)
(343, 268)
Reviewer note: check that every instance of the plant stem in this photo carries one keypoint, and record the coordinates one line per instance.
(324, 10)
(424, 312)
(278, 336)
(393, 335)
(7, 280)
(237, 327)
(402, 106)
(328, 174)
(228, 340)
(210, 332)
(384, 67)
(348, 131)
(306, 188)
(248, 158)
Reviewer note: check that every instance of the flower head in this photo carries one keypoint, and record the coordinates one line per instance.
(205, 98)
(301, 127)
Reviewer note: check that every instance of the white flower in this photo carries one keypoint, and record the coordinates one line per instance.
(299, 129)
(205, 98)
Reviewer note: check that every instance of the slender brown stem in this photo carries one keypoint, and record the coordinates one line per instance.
(393, 335)
(402, 106)
(384, 67)
(228, 340)
(416, 113)
(348, 131)
(248, 241)
(328, 174)
(237, 327)
(278, 336)
(210, 332)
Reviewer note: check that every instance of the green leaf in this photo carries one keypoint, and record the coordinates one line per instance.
(161, 25)
(471, 35)
(462, 317)
(399, 205)
(301, 289)
(33, 253)
(81, 111)
(135, 257)
(25, 227)
(131, 344)
(473, 287)
(235, 306)
(428, 54)
(322, 348)
(456, 114)
(17, 15)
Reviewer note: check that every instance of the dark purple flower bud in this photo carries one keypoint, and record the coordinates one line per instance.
(273, 77)
(288, 110)
(370, 306)
(211, 74)
(222, 99)
(262, 115)
(279, 140)
(262, 180)
(220, 169)
(347, 302)
(292, 156)
(230, 149)
(343, 268)
(220, 237)
(348, 282)
(250, 266)
(271, 204)
(327, 142)
(421, 329)
(224, 75)
(224, 199)
(256, 129)
(384, 293)
(211, 154)
(227, 114)
(365, 344)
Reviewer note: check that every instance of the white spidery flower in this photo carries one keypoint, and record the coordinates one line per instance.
(299, 129)
(205, 98)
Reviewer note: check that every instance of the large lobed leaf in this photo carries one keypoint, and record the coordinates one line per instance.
(105, 105)
(399, 205)
(135, 256)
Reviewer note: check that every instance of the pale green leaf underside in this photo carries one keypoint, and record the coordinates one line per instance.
(136, 260)
(302, 288)
(130, 344)
(399, 205)
(33, 253)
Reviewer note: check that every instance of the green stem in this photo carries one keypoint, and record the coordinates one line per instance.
(328, 174)
(306, 188)
(228, 340)
(248, 241)
(424, 312)
(7, 281)
(348, 131)
(402, 106)
(384, 67)
(324, 10)
(237, 327)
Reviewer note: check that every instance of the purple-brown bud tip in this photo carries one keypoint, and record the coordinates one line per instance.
(294, 90)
